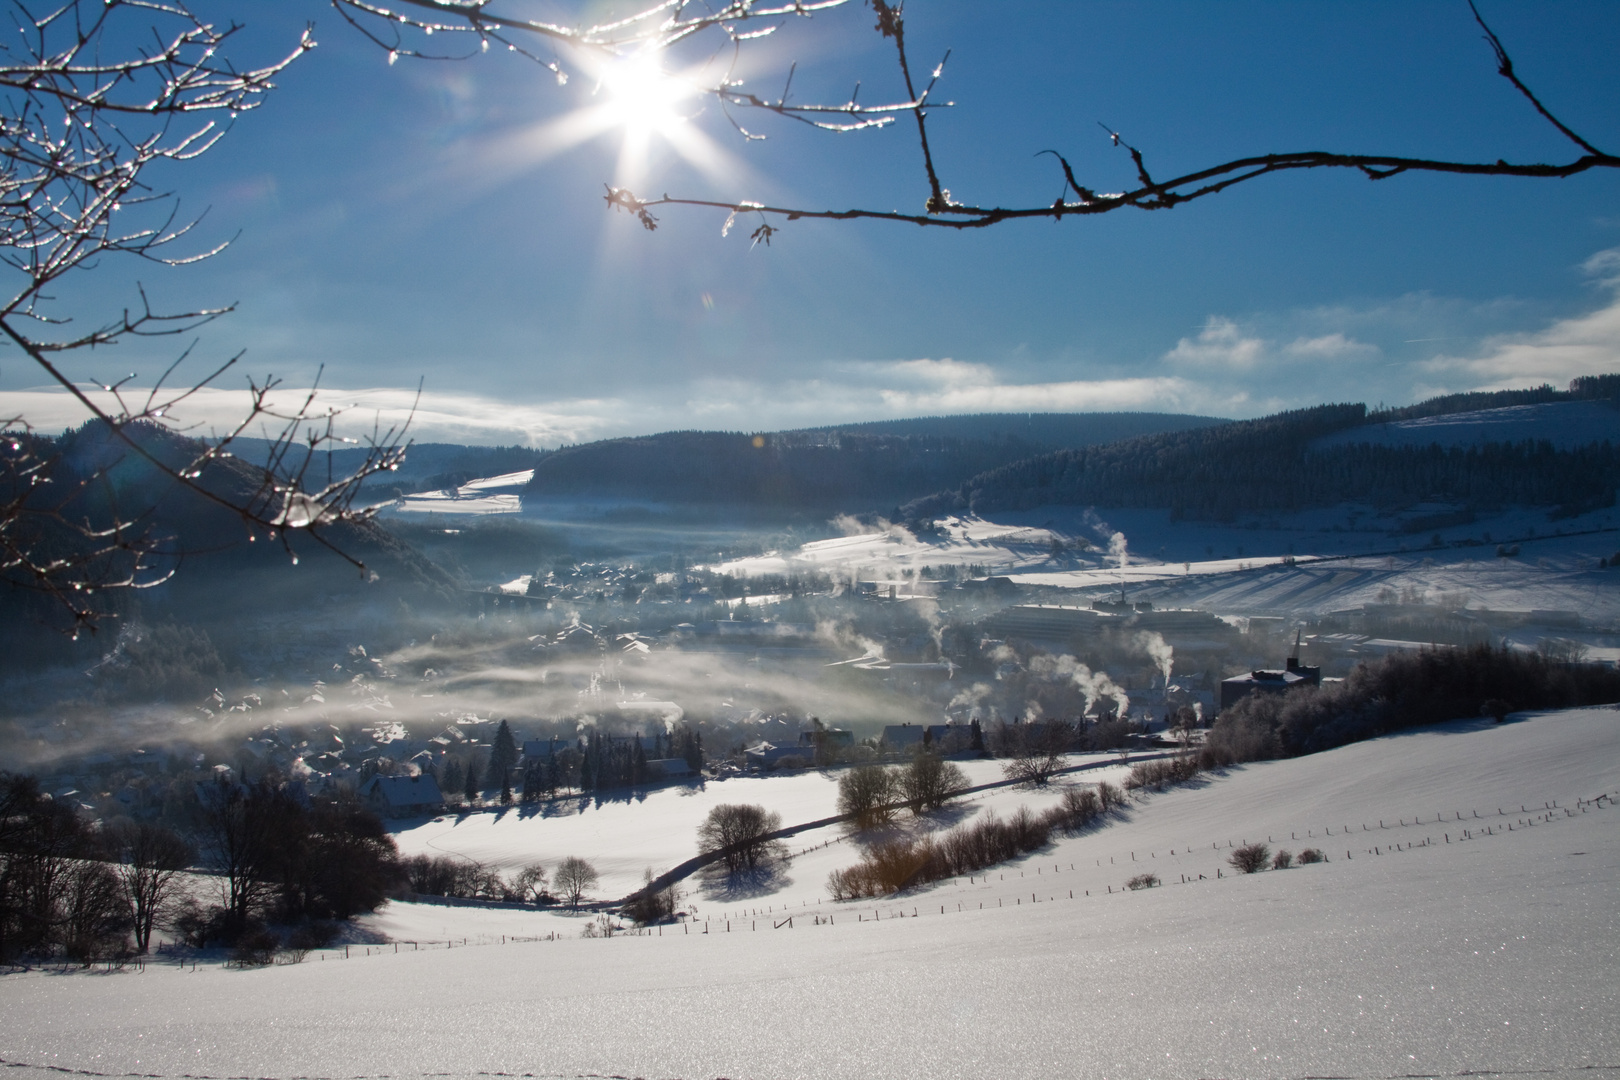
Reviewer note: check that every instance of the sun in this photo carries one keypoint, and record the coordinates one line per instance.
(649, 110)
(643, 99)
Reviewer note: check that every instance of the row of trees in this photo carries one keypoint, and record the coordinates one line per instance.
(1400, 691)
(70, 889)
(463, 878)
(903, 863)
(871, 794)
(606, 761)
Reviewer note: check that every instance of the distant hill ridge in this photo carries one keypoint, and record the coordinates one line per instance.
(843, 467)
(1271, 464)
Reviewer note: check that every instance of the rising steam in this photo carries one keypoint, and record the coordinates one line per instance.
(1092, 684)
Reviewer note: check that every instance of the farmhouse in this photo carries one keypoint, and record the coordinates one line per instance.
(403, 796)
(669, 769)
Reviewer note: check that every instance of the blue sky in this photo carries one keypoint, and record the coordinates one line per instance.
(408, 221)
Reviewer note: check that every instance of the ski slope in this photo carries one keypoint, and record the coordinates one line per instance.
(1418, 953)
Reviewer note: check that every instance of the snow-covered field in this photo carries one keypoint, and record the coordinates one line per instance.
(1275, 569)
(1435, 942)
(1554, 575)
(1565, 424)
(490, 495)
(623, 837)
(895, 551)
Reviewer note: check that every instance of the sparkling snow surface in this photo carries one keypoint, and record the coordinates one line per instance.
(1490, 955)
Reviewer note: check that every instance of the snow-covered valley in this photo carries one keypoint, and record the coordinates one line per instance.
(1463, 923)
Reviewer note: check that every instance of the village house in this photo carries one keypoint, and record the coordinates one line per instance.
(403, 796)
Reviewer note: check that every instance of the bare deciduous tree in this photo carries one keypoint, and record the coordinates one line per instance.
(530, 883)
(574, 878)
(151, 860)
(866, 794)
(929, 780)
(1036, 751)
(403, 27)
(96, 93)
(740, 833)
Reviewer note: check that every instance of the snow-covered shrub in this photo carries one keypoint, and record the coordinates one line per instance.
(1282, 860)
(965, 849)
(1311, 855)
(1250, 858)
(256, 947)
(649, 905)
(1160, 773)
(1142, 881)
(1078, 808)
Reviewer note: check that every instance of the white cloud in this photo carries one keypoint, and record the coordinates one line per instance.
(1334, 346)
(945, 372)
(437, 417)
(1222, 344)
(851, 393)
(1219, 344)
(1157, 394)
(1583, 345)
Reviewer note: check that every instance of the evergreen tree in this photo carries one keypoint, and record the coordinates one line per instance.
(471, 790)
(693, 750)
(503, 758)
(455, 776)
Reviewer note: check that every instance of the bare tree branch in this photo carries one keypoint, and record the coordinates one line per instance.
(92, 93)
(660, 26)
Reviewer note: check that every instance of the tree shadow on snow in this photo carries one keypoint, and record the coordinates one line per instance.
(717, 886)
(905, 828)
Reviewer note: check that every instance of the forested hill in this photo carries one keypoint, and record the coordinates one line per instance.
(859, 467)
(427, 466)
(1269, 465)
(89, 477)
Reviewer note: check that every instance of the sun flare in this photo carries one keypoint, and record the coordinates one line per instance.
(643, 99)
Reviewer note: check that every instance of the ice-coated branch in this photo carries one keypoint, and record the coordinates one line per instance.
(93, 93)
(941, 211)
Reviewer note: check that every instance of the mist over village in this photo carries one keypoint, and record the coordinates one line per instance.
(673, 567)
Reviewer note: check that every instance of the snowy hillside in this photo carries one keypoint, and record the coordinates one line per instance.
(1565, 424)
(624, 836)
(1463, 924)
(895, 552)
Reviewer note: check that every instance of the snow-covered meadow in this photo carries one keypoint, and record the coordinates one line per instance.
(1435, 942)
(655, 829)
